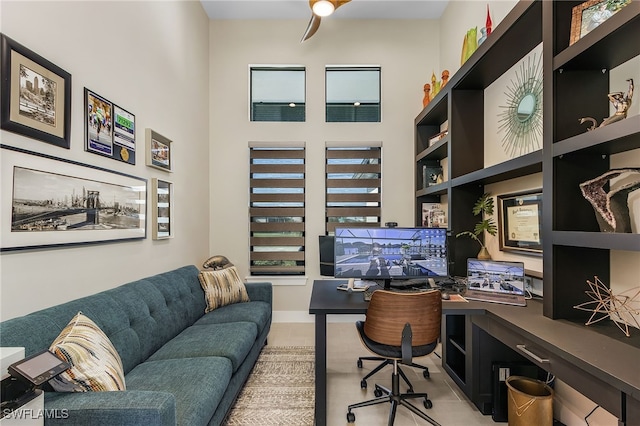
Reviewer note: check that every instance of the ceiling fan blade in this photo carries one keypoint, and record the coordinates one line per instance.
(339, 3)
(313, 26)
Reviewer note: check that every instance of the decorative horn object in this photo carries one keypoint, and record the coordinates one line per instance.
(314, 22)
(612, 208)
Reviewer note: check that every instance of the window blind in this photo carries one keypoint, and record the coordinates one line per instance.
(353, 178)
(276, 210)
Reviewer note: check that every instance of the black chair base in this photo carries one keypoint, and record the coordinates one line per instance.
(384, 363)
(396, 399)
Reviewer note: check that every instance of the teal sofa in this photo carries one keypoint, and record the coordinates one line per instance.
(182, 366)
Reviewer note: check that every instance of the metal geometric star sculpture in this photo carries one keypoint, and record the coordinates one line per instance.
(608, 304)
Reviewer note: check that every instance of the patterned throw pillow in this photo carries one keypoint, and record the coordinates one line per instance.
(95, 363)
(222, 287)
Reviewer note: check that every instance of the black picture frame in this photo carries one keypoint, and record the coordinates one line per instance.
(48, 202)
(42, 114)
(520, 221)
(109, 129)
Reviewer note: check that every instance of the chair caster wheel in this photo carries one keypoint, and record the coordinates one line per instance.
(359, 363)
(428, 404)
(351, 417)
(426, 374)
(363, 384)
(377, 393)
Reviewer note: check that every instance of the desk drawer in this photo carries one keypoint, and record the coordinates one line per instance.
(550, 359)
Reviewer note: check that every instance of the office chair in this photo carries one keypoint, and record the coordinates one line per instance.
(398, 327)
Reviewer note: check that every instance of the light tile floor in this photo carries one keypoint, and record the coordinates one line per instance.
(450, 405)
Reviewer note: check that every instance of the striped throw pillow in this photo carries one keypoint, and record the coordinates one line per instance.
(222, 287)
(95, 363)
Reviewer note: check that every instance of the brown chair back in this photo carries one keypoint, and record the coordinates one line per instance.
(389, 311)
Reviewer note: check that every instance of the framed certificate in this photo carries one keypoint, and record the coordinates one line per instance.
(520, 221)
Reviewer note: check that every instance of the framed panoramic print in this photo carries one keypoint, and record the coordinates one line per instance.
(520, 222)
(36, 95)
(159, 153)
(109, 130)
(50, 202)
(162, 209)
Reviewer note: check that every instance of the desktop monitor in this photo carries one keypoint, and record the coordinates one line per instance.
(390, 254)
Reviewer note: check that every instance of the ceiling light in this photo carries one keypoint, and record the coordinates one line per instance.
(323, 8)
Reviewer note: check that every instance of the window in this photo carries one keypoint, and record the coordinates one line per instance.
(353, 178)
(276, 210)
(353, 94)
(277, 94)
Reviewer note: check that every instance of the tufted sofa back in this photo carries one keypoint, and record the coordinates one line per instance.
(138, 317)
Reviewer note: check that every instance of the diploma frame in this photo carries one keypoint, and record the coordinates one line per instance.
(520, 222)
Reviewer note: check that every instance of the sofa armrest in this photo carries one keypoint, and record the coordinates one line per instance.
(133, 407)
(260, 291)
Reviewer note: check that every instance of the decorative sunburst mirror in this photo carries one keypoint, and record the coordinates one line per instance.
(521, 120)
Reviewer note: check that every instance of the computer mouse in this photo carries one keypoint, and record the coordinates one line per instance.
(445, 295)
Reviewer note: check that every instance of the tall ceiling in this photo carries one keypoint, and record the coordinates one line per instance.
(299, 9)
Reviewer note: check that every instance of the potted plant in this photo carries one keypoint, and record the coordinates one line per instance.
(483, 207)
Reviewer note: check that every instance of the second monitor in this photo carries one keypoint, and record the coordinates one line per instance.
(390, 253)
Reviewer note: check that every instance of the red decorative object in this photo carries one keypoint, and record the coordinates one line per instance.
(488, 24)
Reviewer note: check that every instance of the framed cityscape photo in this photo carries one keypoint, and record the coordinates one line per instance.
(52, 202)
(520, 221)
(36, 95)
(162, 209)
(159, 153)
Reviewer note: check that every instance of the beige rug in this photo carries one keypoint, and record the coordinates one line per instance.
(279, 391)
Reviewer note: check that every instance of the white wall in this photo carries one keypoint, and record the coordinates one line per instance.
(406, 50)
(151, 58)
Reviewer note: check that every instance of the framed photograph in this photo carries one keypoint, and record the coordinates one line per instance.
(520, 221)
(162, 209)
(586, 16)
(109, 130)
(51, 202)
(158, 151)
(36, 95)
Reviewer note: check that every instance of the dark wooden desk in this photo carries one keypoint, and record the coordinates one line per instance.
(602, 368)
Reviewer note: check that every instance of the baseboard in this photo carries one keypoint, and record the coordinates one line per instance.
(304, 316)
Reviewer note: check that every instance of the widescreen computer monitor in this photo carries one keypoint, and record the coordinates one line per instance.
(390, 254)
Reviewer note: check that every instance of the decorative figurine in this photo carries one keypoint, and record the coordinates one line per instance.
(427, 95)
(620, 101)
(483, 35)
(445, 78)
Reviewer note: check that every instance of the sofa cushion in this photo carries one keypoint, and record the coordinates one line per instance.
(255, 311)
(95, 363)
(198, 384)
(229, 340)
(222, 287)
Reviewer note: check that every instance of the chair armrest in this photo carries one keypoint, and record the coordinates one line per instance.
(260, 291)
(126, 408)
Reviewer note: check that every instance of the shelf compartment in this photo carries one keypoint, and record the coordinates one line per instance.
(437, 151)
(612, 139)
(524, 165)
(518, 33)
(597, 240)
(436, 111)
(607, 46)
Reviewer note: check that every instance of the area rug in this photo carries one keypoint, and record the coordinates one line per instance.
(279, 391)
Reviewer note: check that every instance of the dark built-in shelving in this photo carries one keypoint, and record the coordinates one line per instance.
(575, 84)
